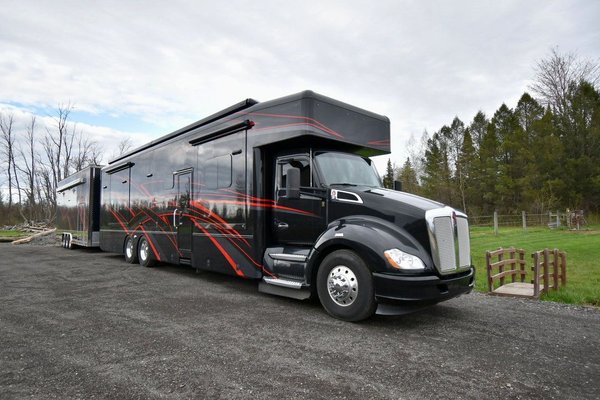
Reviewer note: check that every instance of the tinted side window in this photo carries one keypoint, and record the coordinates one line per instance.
(217, 172)
(283, 167)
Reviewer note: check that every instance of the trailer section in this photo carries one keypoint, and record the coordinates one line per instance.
(78, 208)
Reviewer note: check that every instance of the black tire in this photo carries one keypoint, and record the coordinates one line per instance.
(131, 254)
(345, 286)
(145, 254)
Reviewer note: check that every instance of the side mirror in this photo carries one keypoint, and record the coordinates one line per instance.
(292, 183)
(398, 185)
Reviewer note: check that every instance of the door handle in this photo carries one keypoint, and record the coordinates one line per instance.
(174, 216)
(282, 225)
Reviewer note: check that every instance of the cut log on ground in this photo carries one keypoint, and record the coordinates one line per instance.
(30, 238)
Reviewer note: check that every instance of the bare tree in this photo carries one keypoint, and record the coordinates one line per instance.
(57, 147)
(67, 159)
(58, 143)
(95, 153)
(47, 190)
(28, 168)
(124, 146)
(557, 75)
(8, 147)
(85, 147)
(416, 152)
(49, 173)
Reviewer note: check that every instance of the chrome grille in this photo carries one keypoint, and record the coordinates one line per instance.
(444, 236)
(464, 242)
(449, 239)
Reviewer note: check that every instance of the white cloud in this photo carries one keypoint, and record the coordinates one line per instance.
(420, 63)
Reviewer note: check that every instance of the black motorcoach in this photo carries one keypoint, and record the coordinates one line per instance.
(284, 192)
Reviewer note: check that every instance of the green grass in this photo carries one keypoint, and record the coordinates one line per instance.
(8, 236)
(583, 258)
(12, 234)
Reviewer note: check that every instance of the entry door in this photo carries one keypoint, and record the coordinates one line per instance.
(183, 222)
(297, 221)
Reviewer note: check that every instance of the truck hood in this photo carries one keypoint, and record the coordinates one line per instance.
(405, 210)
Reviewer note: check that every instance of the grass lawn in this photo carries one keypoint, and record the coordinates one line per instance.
(583, 258)
(13, 234)
(8, 236)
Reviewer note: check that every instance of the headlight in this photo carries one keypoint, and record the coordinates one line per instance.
(404, 261)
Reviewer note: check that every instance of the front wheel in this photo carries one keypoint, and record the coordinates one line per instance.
(145, 254)
(345, 286)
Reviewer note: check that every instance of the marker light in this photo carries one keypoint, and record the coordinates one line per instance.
(404, 261)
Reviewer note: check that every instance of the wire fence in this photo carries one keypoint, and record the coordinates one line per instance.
(553, 219)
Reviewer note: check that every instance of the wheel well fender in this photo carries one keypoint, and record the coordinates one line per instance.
(316, 258)
(368, 237)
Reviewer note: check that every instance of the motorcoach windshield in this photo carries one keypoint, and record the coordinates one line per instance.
(346, 169)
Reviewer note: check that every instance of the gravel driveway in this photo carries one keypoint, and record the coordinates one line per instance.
(84, 324)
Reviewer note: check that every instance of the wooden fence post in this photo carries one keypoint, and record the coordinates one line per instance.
(563, 267)
(513, 264)
(545, 267)
(524, 217)
(555, 270)
(501, 268)
(488, 263)
(536, 274)
(522, 264)
(496, 223)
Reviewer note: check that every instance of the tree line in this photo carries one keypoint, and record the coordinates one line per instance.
(542, 155)
(35, 156)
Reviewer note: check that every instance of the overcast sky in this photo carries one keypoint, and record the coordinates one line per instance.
(144, 68)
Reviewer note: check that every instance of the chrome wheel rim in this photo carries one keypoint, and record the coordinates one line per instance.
(342, 285)
(129, 248)
(144, 250)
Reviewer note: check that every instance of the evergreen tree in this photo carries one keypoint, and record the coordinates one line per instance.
(464, 170)
(546, 176)
(388, 179)
(478, 129)
(408, 176)
(528, 111)
(436, 172)
(513, 159)
(580, 134)
(488, 170)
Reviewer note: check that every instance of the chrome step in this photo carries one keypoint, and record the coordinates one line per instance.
(288, 257)
(283, 282)
(292, 289)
